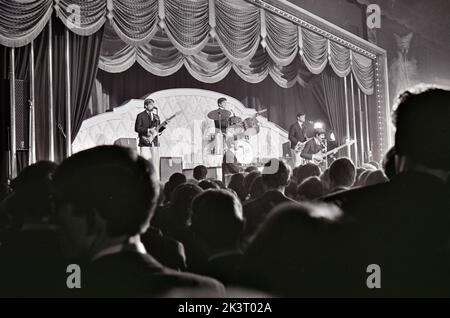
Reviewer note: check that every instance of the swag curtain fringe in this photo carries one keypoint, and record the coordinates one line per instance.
(185, 35)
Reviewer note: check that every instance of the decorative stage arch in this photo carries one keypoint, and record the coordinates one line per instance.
(189, 134)
(256, 39)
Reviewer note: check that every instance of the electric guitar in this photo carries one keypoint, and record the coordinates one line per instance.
(152, 133)
(323, 156)
(301, 145)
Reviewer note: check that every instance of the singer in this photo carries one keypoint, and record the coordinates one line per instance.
(146, 126)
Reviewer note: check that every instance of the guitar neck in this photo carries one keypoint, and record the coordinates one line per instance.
(336, 149)
(166, 121)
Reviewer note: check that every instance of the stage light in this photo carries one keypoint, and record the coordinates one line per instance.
(318, 125)
(332, 137)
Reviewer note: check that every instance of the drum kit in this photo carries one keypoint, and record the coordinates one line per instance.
(240, 128)
(236, 131)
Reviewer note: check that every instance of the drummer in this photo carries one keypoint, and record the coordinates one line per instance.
(225, 121)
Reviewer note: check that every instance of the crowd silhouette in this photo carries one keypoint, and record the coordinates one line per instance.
(276, 232)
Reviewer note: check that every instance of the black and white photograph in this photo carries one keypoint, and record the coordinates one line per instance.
(224, 155)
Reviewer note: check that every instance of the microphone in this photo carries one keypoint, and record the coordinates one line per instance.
(61, 130)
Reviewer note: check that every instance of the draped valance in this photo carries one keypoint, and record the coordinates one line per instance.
(208, 37)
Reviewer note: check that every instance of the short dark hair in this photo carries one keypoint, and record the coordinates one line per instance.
(422, 126)
(318, 131)
(148, 101)
(310, 189)
(182, 198)
(221, 100)
(257, 187)
(114, 181)
(174, 181)
(342, 173)
(200, 172)
(305, 171)
(33, 190)
(300, 114)
(208, 184)
(217, 218)
(276, 173)
(248, 180)
(389, 163)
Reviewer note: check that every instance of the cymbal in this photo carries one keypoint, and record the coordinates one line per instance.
(219, 114)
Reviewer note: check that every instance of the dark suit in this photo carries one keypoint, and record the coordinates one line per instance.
(141, 126)
(310, 149)
(133, 274)
(165, 249)
(402, 226)
(297, 134)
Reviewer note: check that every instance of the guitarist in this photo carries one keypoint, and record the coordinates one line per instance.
(145, 123)
(314, 148)
(297, 136)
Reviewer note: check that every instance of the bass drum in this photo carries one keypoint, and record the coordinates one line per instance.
(244, 152)
(251, 126)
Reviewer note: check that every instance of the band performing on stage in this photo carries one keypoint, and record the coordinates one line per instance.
(308, 143)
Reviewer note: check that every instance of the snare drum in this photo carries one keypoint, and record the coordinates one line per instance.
(236, 125)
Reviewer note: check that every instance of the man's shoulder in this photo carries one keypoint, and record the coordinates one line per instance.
(143, 275)
(358, 193)
(190, 280)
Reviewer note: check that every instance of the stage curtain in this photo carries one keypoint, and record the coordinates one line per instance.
(314, 50)
(163, 35)
(282, 104)
(211, 65)
(21, 22)
(330, 93)
(84, 55)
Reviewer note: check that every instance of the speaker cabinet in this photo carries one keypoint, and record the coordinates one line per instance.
(22, 115)
(127, 142)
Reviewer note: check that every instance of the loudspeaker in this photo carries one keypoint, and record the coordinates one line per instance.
(4, 130)
(22, 115)
(127, 142)
(168, 166)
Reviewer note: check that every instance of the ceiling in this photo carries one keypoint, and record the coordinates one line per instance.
(427, 18)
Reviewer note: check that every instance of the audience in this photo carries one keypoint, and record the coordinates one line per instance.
(342, 174)
(406, 221)
(389, 163)
(237, 184)
(248, 181)
(174, 181)
(305, 234)
(200, 172)
(275, 177)
(257, 188)
(306, 171)
(310, 189)
(32, 249)
(298, 252)
(106, 197)
(208, 184)
(375, 177)
(325, 178)
(219, 233)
